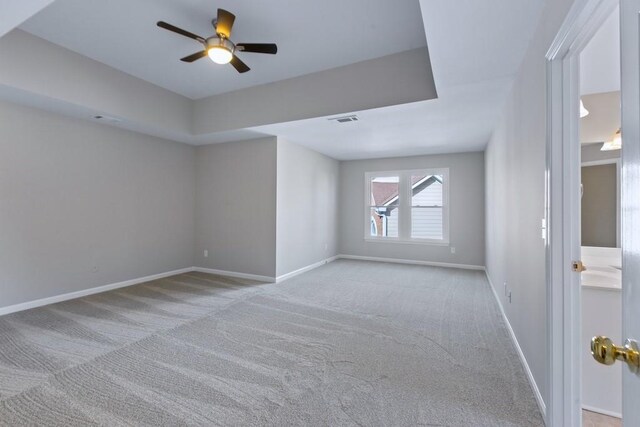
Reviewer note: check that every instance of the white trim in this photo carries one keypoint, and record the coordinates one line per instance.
(427, 242)
(412, 262)
(602, 288)
(86, 292)
(600, 162)
(302, 270)
(99, 289)
(235, 274)
(405, 207)
(534, 386)
(602, 411)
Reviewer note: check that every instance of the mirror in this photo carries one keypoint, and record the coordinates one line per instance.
(600, 171)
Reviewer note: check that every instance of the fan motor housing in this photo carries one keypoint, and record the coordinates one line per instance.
(221, 42)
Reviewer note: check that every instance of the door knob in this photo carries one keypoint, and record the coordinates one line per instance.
(606, 352)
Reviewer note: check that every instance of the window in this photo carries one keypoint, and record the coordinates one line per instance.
(427, 206)
(407, 206)
(383, 206)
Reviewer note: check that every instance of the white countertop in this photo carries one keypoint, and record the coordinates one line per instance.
(603, 268)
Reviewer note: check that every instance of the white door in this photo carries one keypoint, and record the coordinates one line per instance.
(563, 208)
(630, 199)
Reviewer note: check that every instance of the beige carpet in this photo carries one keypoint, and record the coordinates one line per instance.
(350, 343)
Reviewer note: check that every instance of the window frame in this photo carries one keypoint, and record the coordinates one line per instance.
(405, 206)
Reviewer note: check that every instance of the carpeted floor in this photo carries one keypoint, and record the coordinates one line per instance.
(350, 343)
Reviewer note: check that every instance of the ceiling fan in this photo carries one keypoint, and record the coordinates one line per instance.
(218, 47)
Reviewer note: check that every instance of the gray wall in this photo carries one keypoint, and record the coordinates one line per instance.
(515, 177)
(56, 73)
(84, 205)
(466, 193)
(599, 208)
(353, 87)
(236, 206)
(307, 207)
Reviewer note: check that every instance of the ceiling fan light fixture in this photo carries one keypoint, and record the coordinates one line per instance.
(614, 144)
(583, 111)
(218, 47)
(220, 54)
(220, 50)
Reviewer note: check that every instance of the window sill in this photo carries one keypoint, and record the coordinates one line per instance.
(407, 242)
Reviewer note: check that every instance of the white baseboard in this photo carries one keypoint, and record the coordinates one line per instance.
(305, 269)
(412, 262)
(85, 292)
(602, 411)
(525, 364)
(235, 274)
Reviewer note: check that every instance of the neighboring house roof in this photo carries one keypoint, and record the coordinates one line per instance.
(386, 193)
(383, 192)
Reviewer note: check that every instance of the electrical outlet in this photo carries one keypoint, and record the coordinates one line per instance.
(326, 246)
(509, 297)
(453, 250)
(94, 265)
(505, 288)
(206, 253)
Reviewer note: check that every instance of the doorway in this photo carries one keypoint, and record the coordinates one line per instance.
(600, 147)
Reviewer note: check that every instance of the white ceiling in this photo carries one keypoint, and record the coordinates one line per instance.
(600, 59)
(604, 117)
(15, 13)
(473, 41)
(461, 121)
(476, 49)
(311, 36)
(600, 82)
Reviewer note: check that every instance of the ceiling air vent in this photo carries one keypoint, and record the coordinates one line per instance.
(344, 119)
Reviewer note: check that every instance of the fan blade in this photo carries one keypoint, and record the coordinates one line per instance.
(180, 31)
(224, 22)
(271, 48)
(240, 66)
(194, 57)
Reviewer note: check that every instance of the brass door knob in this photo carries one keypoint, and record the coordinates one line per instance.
(606, 352)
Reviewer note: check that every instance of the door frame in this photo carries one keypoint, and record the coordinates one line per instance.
(562, 198)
